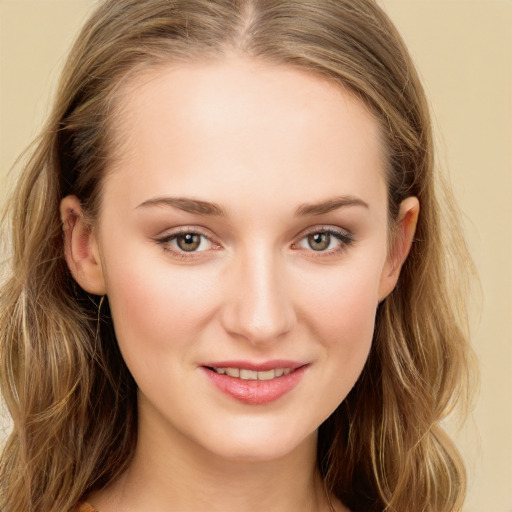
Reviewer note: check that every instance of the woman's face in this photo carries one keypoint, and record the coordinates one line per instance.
(243, 247)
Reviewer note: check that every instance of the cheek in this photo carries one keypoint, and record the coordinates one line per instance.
(155, 307)
(344, 301)
(351, 331)
(341, 315)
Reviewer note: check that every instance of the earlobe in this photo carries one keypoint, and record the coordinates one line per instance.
(81, 247)
(400, 245)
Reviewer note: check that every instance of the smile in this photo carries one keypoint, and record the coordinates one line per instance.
(255, 384)
(244, 374)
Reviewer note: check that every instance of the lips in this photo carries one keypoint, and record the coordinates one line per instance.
(245, 374)
(255, 384)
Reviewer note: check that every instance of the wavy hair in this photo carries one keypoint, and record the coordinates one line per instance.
(72, 399)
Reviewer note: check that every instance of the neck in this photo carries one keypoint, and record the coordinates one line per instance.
(170, 473)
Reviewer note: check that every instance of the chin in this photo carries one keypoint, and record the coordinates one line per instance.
(264, 445)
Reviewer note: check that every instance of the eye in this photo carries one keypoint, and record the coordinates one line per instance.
(325, 240)
(189, 241)
(186, 242)
(319, 241)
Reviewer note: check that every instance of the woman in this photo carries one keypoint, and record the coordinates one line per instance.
(231, 283)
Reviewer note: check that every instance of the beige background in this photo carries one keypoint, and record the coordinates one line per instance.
(464, 52)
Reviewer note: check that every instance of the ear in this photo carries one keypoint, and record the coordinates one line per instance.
(81, 248)
(400, 245)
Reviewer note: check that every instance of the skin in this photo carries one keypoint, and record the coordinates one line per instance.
(261, 142)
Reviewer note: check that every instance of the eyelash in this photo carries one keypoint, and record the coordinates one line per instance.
(345, 241)
(344, 238)
(180, 254)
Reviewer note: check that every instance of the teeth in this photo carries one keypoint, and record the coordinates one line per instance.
(233, 372)
(271, 374)
(243, 374)
(248, 375)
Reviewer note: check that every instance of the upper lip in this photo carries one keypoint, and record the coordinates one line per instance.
(258, 367)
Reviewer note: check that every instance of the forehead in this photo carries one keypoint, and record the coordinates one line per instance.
(246, 126)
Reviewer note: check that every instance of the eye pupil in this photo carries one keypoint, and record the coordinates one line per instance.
(319, 241)
(189, 241)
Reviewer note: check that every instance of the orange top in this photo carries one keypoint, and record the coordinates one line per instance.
(85, 507)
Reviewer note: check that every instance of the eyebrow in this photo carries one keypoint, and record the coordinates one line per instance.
(206, 208)
(329, 205)
(187, 205)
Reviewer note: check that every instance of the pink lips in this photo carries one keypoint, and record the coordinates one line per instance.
(255, 392)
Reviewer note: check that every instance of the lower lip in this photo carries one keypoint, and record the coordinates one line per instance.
(256, 392)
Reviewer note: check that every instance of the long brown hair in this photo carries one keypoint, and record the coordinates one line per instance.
(70, 395)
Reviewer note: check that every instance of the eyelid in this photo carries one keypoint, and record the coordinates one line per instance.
(344, 237)
(165, 239)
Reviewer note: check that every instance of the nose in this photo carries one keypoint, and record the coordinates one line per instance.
(258, 304)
